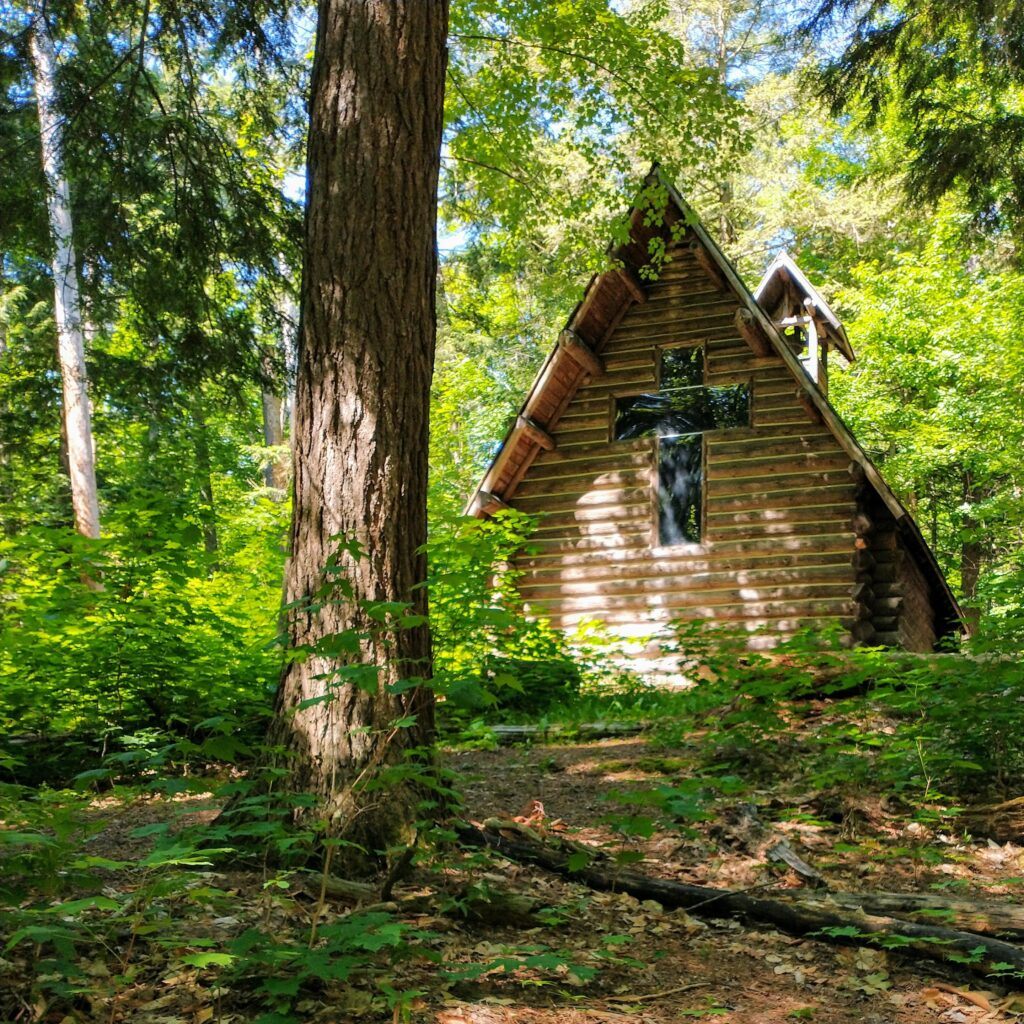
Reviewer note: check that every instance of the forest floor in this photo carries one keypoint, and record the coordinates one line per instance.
(654, 966)
(738, 974)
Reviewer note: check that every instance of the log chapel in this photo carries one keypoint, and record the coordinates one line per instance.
(682, 458)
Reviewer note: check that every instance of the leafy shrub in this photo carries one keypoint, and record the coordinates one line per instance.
(99, 639)
(487, 653)
(943, 723)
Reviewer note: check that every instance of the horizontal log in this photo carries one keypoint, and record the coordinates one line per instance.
(786, 400)
(653, 322)
(773, 531)
(614, 578)
(572, 487)
(666, 310)
(746, 440)
(571, 440)
(640, 338)
(597, 499)
(637, 527)
(863, 632)
(812, 412)
(623, 558)
(687, 288)
(752, 444)
(824, 495)
(778, 621)
(507, 734)
(727, 486)
(780, 418)
(607, 515)
(838, 513)
(768, 546)
(787, 600)
(818, 918)
(774, 466)
(1003, 822)
(592, 468)
(755, 599)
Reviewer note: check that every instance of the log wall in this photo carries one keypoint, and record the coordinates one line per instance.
(779, 542)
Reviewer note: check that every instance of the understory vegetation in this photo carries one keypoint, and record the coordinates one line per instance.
(157, 863)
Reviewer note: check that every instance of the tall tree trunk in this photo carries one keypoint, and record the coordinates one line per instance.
(275, 389)
(275, 473)
(366, 356)
(67, 308)
(204, 468)
(972, 551)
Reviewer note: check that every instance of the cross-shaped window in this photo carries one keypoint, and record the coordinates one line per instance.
(679, 414)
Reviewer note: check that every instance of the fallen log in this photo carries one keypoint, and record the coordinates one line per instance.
(979, 916)
(819, 918)
(482, 905)
(506, 734)
(1002, 822)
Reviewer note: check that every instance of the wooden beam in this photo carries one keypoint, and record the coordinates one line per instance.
(633, 284)
(862, 525)
(751, 332)
(490, 503)
(538, 435)
(581, 352)
(808, 405)
(708, 265)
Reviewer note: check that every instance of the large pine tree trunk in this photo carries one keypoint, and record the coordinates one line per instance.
(366, 355)
(67, 306)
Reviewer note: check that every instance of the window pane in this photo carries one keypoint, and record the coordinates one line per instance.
(680, 473)
(730, 406)
(682, 367)
(681, 412)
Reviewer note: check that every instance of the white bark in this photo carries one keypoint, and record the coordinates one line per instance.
(277, 408)
(67, 306)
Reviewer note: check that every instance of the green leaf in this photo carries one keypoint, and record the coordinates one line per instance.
(202, 960)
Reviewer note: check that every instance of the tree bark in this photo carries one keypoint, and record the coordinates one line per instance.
(67, 305)
(366, 354)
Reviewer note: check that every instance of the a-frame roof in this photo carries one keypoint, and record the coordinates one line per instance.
(783, 275)
(608, 296)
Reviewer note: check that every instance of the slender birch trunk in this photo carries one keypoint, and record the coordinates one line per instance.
(67, 306)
